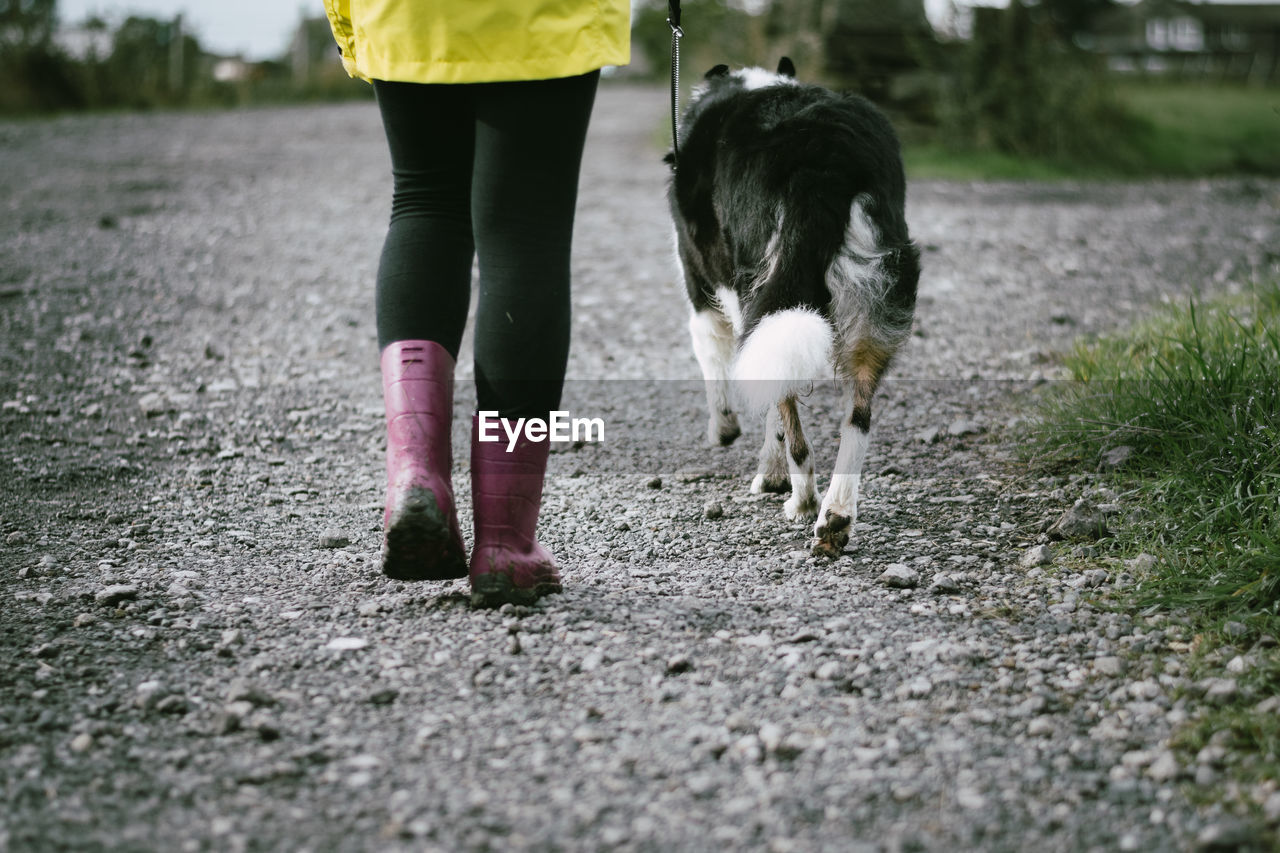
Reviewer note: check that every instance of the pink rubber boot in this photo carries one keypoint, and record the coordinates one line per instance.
(421, 540)
(507, 563)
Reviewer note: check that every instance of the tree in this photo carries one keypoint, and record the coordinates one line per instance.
(27, 24)
(1072, 18)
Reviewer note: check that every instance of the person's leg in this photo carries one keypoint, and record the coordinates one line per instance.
(424, 275)
(423, 290)
(529, 139)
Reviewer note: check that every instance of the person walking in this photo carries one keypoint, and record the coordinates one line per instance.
(485, 107)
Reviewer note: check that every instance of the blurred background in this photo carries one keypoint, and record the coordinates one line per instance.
(1014, 89)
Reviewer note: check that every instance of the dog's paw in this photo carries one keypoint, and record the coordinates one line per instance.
(723, 429)
(774, 485)
(801, 508)
(831, 534)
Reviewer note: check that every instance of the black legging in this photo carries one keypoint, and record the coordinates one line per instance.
(488, 169)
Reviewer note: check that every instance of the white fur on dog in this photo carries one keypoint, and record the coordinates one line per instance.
(772, 259)
(784, 354)
(713, 339)
(759, 78)
(842, 495)
(729, 304)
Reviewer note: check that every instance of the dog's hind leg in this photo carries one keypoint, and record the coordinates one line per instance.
(713, 340)
(772, 474)
(803, 503)
(839, 510)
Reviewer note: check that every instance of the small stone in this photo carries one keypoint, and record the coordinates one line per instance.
(678, 664)
(154, 405)
(385, 696)
(899, 576)
(829, 671)
(173, 704)
(1082, 521)
(17, 537)
(346, 644)
(1214, 755)
(244, 691)
(1230, 834)
(82, 742)
(1041, 727)
(1235, 630)
(1144, 691)
(371, 608)
(83, 619)
(653, 483)
(929, 436)
(1221, 691)
(115, 594)
(1037, 555)
(1116, 457)
(1142, 563)
(267, 727)
(334, 539)
(916, 688)
(1271, 808)
(1165, 768)
(1109, 666)
(770, 735)
(713, 511)
(961, 427)
(944, 585)
(695, 475)
(148, 694)
(233, 716)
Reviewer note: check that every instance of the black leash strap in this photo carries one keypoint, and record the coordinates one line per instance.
(673, 20)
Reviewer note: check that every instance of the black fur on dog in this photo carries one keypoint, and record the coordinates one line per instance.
(788, 202)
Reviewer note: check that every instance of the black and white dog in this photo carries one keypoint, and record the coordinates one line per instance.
(788, 206)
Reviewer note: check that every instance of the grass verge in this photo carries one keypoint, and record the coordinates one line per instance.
(1194, 396)
(1173, 130)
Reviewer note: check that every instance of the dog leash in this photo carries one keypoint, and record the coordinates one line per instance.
(673, 20)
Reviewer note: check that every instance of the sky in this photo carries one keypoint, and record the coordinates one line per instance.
(257, 29)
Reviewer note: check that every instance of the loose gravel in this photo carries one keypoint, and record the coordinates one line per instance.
(202, 654)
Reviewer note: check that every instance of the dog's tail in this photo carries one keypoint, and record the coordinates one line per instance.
(786, 353)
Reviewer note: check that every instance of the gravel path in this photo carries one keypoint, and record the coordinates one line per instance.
(202, 654)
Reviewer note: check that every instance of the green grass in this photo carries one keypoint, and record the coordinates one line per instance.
(1196, 394)
(1206, 129)
(1174, 130)
(932, 160)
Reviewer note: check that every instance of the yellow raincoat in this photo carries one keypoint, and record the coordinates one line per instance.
(479, 41)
